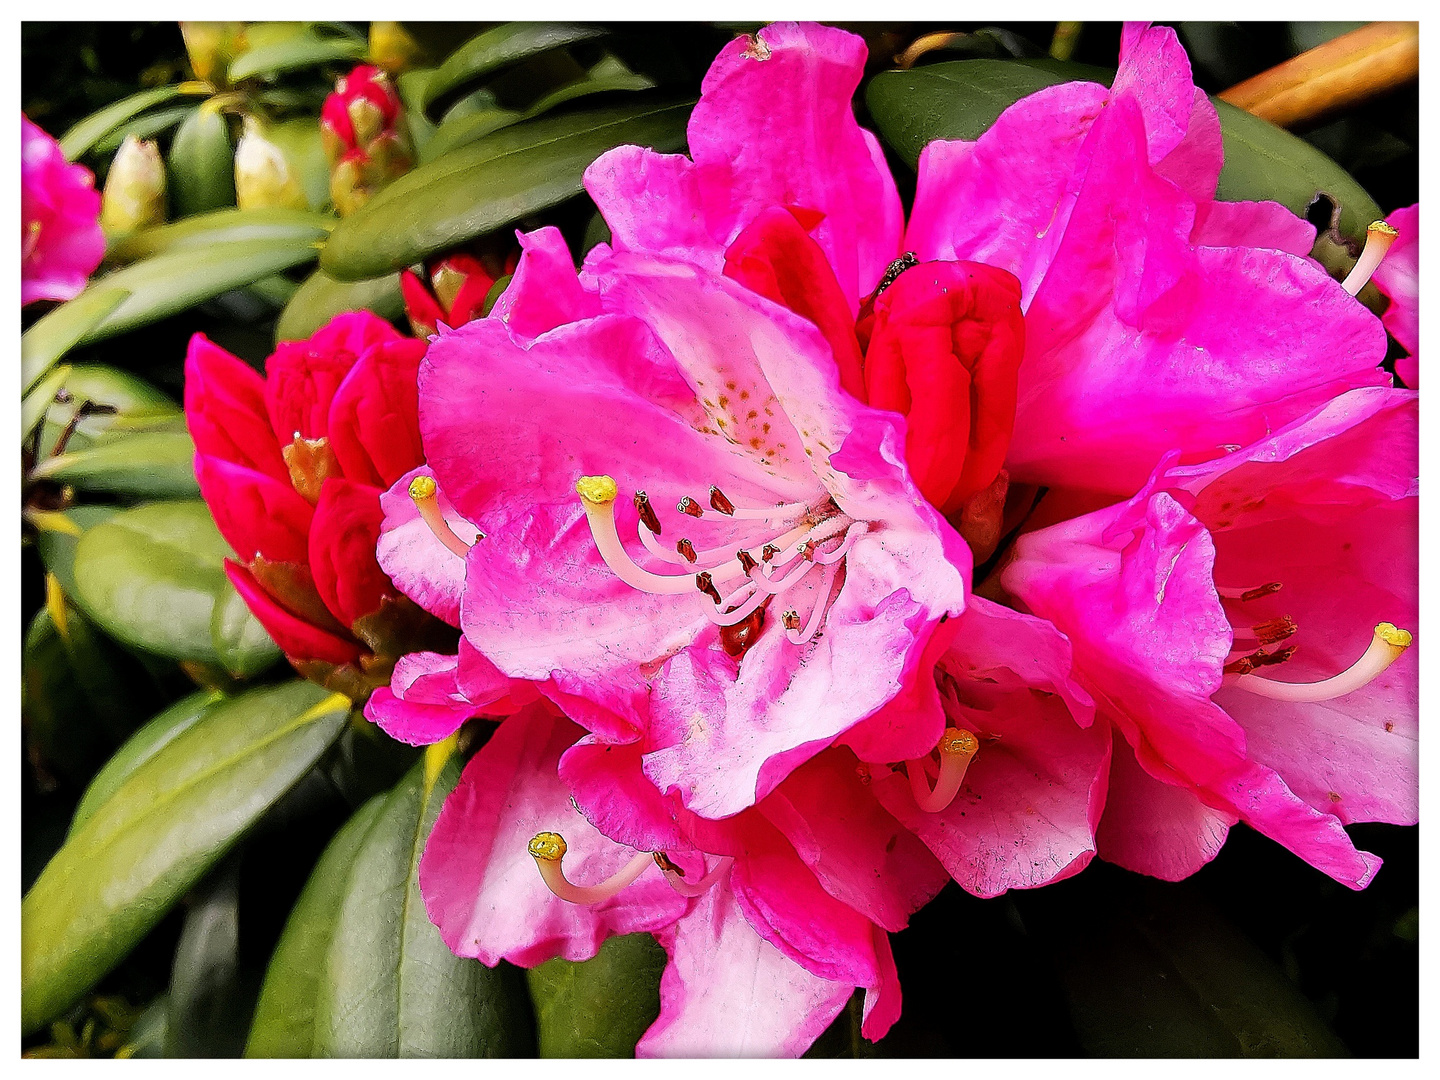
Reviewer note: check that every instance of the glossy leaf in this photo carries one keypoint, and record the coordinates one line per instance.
(153, 577)
(391, 987)
(86, 133)
(202, 163)
(284, 1023)
(492, 51)
(155, 465)
(490, 183)
(320, 298)
(59, 533)
(130, 405)
(147, 126)
(224, 227)
(598, 1008)
(301, 50)
(141, 747)
(166, 824)
(57, 332)
(208, 1002)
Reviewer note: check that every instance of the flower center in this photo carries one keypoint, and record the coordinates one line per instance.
(30, 240)
(549, 848)
(790, 543)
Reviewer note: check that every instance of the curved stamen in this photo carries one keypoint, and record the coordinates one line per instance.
(1378, 238)
(822, 602)
(853, 533)
(1269, 632)
(1248, 594)
(957, 749)
(548, 848)
(423, 491)
(721, 617)
(597, 496)
(815, 534)
(1385, 648)
(789, 511)
(683, 887)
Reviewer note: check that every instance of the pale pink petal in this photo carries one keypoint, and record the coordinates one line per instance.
(1252, 224)
(420, 564)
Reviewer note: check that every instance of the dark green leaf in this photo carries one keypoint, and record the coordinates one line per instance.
(391, 987)
(302, 50)
(320, 298)
(141, 747)
(144, 127)
(465, 127)
(153, 576)
(59, 535)
(55, 706)
(209, 1007)
(59, 331)
(223, 227)
(601, 1007)
(202, 163)
(490, 183)
(490, 52)
(284, 1024)
(85, 134)
(155, 465)
(168, 822)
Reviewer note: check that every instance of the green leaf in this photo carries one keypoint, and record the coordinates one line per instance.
(284, 1024)
(320, 298)
(208, 999)
(89, 131)
(148, 465)
(490, 183)
(490, 52)
(391, 987)
(224, 227)
(962, 98)
(202, 163)
(140, 748)
(40, 399)
(58, 721)
(59, 331)
(170, 820)
(137, 407)
(601, 1007)
(465, 127)
(181, 278)
(144, 127)
(153, 577)
(59, 535)
(302, 50)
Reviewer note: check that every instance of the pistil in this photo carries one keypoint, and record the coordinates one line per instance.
(548, 848)
(1378, 238)
(957, 749)
(424, 492)
(1385, 648)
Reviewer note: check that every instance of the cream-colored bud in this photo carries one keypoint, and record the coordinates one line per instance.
(264, 178)
(134, 196)
(211, 46)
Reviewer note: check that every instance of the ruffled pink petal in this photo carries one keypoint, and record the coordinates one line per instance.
(545, 291)
(61, 242)
(419, 564)
(654, 202)
(1398, 277)
(1252, 224)
(617, 798)
(1156, 828)
(302, 376)
(374, 422)
(479, 881)
(257, 514)
(859, 853)
(225, 410)
(297, 638)
(727, 992)
(422, 704)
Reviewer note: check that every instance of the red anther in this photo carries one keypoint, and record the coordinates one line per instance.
(720, 502)
(647, 513)
(686, 548)
(687, 505)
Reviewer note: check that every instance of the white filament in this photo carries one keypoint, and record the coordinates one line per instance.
(554, 878)
(1379, 656)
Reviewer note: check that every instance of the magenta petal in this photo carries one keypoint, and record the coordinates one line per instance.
(727, 992)
(617, 798)
(257, 514)
(297, 638)
(1252, 224)
(302, 376)
(418, 563)
(477, 876)
(545, 291)
(61, 242)
(225, 410)
(422, 703)
(374, 424)
(343, 532)
(882, 1002)
(1398, 277)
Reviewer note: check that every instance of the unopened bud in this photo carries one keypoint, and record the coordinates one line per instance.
(211, 46)
(393, 49)
(134, 196)
(263, 176)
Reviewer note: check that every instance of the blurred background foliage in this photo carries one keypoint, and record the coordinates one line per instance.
(242, 919)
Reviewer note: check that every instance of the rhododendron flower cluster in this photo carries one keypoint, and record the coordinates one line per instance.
(60, 239)
(362, 127)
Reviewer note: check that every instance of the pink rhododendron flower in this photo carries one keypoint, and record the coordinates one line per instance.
(60, 239)
(292, 466)
(1244, 624)
(1398, 277)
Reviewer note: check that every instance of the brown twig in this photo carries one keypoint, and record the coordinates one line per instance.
(1350, 69)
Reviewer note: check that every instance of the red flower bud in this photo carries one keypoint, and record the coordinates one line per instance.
(459, 285)
(362, 128)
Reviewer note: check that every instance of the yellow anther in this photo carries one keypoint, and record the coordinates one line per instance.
(548, 846)
(958, 741)
(600, 490)
(1382, 228)
(1389, 632)
(422, 487)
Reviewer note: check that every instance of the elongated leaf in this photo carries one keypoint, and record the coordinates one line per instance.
(303, 50)
(59, 535)
(144, 127)
(150, 465)
(56, 333)
(85, 134)
(202, 163)
(490, 52)
(40, 399)
(320, 298)
(208, 1003)
(168, 822)
(601, 1007)
(153, 577)
(224, 227)
(490, 183)
(130, 404)
(179, 279)
(284, 1024)
(141, 747)
(391, 987)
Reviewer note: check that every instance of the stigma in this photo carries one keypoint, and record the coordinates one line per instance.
(1386, 646)
(425, 494)
(957, 749)
(1378, 238)
(548, 849)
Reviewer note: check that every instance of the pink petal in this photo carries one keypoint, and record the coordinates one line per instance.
(418, 563)
(727, 992)
(1252, 224)
(422, 703)
(882, 1002)
(61, 242)
(654, 202)
(617, 798)
(302, 376)
(374, 423)
(545, 291)
(342, 549)
(1398, 277)
(479, 881)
